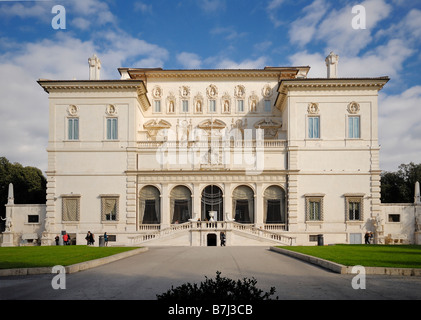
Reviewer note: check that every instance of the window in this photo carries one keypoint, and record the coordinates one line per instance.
(33, 218)
(112, 129)
(73, 129)
(240, 105)
(314, 211)
(354, 208)
(268, 106)
(157, 106)
(185, 106)
(70, 208)
(212, 105)
(109, 208)
(314, 208)
(313, 127)
(394, 218)
(354, 127)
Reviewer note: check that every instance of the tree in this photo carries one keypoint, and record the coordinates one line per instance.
(221, 289)
(398, 187)
(29, 184)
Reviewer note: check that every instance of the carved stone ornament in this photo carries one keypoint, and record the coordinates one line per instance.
(353, 107)
(253, 101)
(226, 103)
(171, 103)
(270, 127)
(313, 108)
(111, 110)
(267, 91)
(184, 91)
(72, 110)
(153, 127)
(212, 91)
(157, 92)
(240, 91)
(198, 103)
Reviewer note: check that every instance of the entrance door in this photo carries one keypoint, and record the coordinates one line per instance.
(211, 240)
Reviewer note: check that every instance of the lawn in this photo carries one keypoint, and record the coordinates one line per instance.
(49, 256)
(394, 256)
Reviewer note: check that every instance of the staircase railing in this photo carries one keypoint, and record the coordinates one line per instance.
(216, 226)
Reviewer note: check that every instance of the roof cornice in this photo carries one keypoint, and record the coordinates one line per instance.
(286, 85)
(87, 85)
(268, 72)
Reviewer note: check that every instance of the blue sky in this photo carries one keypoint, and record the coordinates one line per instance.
(181, 34)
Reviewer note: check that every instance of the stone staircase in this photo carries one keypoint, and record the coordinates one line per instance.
(249, 233)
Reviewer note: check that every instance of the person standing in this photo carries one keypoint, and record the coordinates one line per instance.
(105, 239)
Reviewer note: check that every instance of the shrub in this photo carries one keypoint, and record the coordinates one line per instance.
(219, 289)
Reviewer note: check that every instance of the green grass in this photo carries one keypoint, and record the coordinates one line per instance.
(49, 256)
(394, 256)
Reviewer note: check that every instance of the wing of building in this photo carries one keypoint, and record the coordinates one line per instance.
(177, 157)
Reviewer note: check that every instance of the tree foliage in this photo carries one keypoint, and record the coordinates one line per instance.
(219, 289)
(29, 184)
(399, 186)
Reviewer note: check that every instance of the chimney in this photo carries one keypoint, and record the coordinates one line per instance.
(332, 65)
(94, 68)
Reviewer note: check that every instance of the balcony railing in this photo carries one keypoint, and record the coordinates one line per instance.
(207, 144)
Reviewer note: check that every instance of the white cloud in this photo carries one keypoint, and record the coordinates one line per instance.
(229, 33)
(24, 105)
(211, 6)
(271, 9)
(400, 128)
(189, 60)
(259, 63)
(303, 30)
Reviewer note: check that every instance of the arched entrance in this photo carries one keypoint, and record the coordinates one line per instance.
(180, 204)
(149, 205)
(211, 240)
(212, 200)
(243, 204)
(274, 205)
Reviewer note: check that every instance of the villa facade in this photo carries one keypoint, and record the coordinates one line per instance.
(175, 157)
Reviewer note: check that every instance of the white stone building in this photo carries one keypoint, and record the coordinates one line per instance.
(175, 157)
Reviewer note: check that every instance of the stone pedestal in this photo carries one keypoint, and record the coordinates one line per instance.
(7, 239)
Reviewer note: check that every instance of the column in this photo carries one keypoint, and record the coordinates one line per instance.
(165, 207)
(258, 197)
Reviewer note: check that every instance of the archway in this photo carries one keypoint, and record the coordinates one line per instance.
(212, 200)
(274, 205)
(181, 204)
(243, 204)
(149, 205)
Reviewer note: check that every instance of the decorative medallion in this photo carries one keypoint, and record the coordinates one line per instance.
(267, 91)
(212, 92)
(240, 92)
(353, 108)
(111, 110)
(313, 108)
(184, 91)
(72, 110)
(157, 92)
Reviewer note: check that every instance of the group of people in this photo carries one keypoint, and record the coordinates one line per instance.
(66, 239)
(90, 240)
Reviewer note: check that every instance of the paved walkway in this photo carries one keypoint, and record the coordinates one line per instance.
(153, 272)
